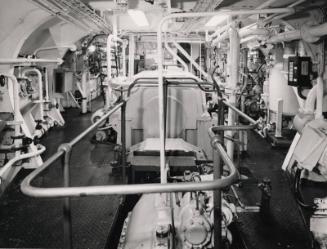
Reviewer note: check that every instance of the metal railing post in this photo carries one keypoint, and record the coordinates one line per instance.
(123, 138)
(217, 198)
(68, 239)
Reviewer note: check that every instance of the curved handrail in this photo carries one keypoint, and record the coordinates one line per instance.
(33, 191)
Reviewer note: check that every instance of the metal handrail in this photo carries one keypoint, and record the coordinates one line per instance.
(30, 190)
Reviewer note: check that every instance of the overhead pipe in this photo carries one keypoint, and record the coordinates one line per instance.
(228, 25)
(242, 34)
(307, 33)
(192, 61)
(71, 47)
(277, 16)
(12, 161)
(163, 178)
(18, 61)
(40, 84)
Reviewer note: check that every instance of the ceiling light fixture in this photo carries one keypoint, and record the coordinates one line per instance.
(216, 20)
(138, 17)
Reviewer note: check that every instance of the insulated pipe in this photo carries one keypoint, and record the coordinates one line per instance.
(242, 34)
(309, 106)
(320, 96)
(111, 38)
(224, 28)
(124, 58)
(11, 162)
(72, 47)
(131, 51)
(17, 61)
(15, 89)
(193, 62)
(161, 112)
(46, 81)
(307, 33)
(175, 56)
(39, 79)
(276, 16)
(234, 61)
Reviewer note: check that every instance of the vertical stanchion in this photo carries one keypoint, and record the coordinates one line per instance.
(217, 175)
(217, 202)
(68, 238)
(123, 138)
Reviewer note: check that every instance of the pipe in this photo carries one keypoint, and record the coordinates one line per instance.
(228, 25)
(193, 62)
(19, 158)
(175, 56)
(46, 81)
(17, 61)
(285, 36)
(32, 191)
(124, 58)
(131, 51)
(240, 113)
(309, 105)
(39, 79)
(307, 33)
(110, 39)
(160, 64)
(234, 61)
(72, 47)
(16, 106)
(320, 96)
(276, 16)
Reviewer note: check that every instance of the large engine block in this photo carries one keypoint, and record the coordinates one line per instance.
(174, 220)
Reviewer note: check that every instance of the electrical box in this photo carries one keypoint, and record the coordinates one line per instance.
(63, 81)
(299, 71)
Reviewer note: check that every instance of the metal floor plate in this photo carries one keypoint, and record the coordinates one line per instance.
(37, 223)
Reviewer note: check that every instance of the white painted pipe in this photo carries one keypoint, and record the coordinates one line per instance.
(243, 33)
(307, 33)
(16, 106)
(18, 61)
(11, 162)
(224, 28)
(71, 47)
(111, 38)
(83, 91)
(285, 36)
(309, 106)
(175, 56)
(124, 58)
(320, 96)
(276, 16)
(131, 51)
(46, 81)
(193, 62)
(163, 177)
(39, 79)
(234, 54)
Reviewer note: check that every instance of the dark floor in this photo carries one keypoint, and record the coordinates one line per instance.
(284, 227)
(37, 223)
